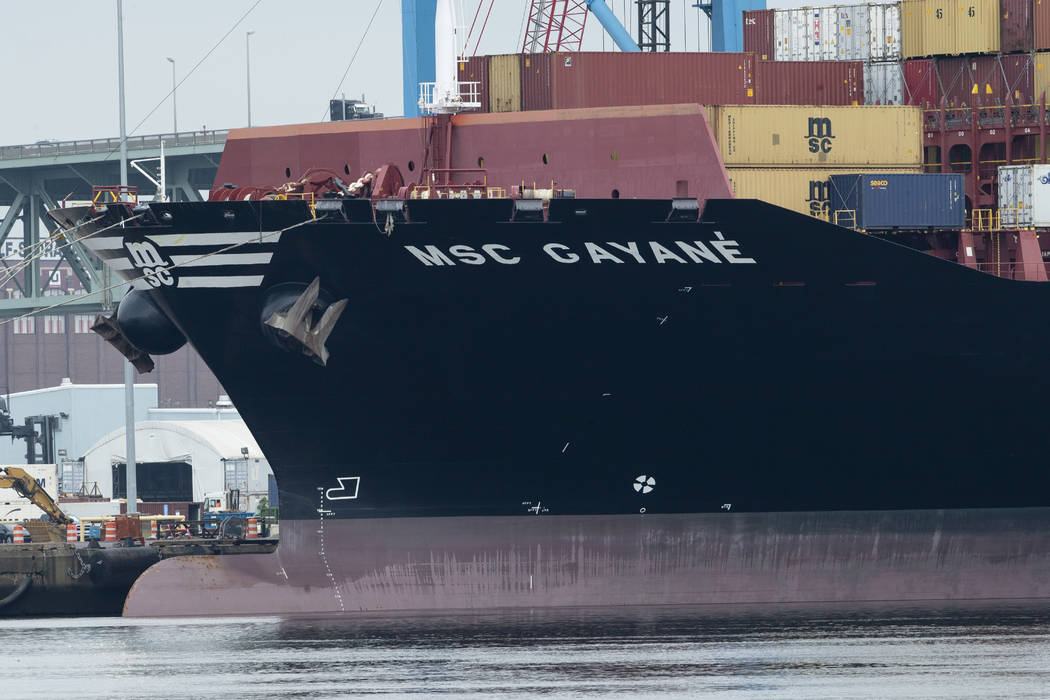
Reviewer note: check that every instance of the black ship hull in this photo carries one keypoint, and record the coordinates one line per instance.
(614, 379)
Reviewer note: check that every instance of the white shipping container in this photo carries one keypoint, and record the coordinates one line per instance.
(1024, 196)
(15, 507)
(884, 32)
(852, 40)
(884, 84)
(805, 34)
(870, 32)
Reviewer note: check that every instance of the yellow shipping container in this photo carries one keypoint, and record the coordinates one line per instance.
(765, 135)
(1042, 75)
(805, 190)
(505, 83)
(949, 27)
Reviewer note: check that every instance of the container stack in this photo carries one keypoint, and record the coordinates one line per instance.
(974, 53)
(525, 82)
(869, 34)
(786, 155)
(980, 70)
(923, 52)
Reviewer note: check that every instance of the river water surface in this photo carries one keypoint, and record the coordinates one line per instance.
(990, 650)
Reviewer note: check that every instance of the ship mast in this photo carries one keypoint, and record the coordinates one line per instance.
(443, 98)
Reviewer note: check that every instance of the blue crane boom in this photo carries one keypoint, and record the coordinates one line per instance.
(612, 26)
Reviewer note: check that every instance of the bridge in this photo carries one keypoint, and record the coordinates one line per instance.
(36, 177)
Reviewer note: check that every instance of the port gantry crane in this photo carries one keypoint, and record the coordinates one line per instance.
(557, 25)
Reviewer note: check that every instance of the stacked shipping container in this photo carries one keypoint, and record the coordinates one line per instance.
(786, 154)
(867, 33)
(917, 51)
(977, 66)
(942, 55)
(835, 33)
(949, 27)
(598, 79)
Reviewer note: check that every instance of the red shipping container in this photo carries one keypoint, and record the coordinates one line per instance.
(537, 88)
(476, 70)
(594, 79)
(969, 81)
(758, 33)
(1019, 72)
(809, 82)
(1041, 25)
(1015, 25)
(920, 83)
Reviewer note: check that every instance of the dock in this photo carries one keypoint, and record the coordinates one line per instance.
(76, 579)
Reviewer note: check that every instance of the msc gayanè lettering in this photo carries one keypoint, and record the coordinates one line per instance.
(717, 251)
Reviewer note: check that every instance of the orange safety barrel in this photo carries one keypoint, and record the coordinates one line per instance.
(71, 532)
(253, 527)
(111, 531)
(153, 529)
(20, 535)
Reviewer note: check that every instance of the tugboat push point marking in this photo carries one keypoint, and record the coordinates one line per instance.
(684, 252)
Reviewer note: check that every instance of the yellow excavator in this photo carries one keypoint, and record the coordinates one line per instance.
(26, 487)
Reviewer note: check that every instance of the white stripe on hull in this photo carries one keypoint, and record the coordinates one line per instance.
(118, 264)
(229, 281)
(222, 259)
(220, 239)
(110, 243)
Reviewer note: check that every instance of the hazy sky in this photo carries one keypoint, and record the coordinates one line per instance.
(60, 59)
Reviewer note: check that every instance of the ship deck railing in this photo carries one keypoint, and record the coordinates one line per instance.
(847, 218)
(102, 195)
(994, 116)
(1002, 219)
(457, 192)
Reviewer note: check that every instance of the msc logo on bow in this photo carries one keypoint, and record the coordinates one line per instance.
(819, 137)
(145, 257)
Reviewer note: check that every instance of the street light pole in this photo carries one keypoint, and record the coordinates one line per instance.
(174, 106)
(130, 483)
(248, 68)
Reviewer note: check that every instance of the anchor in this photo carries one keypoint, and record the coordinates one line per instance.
(299, 326)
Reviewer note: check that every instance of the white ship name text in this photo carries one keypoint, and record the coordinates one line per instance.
(718, 251)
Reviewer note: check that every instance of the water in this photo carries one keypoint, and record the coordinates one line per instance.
(985, 651)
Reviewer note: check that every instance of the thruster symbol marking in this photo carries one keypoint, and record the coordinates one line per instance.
(644, 484)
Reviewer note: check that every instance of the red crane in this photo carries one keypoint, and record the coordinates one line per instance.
(555, 25)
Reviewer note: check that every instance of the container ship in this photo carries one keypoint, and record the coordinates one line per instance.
(544, 357)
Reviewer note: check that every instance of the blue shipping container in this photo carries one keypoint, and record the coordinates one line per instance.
(877, 201)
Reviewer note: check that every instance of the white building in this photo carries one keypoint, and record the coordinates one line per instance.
(85, 412)
(182, 461)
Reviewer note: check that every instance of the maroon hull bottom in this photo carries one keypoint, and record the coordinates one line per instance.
(546, 561)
